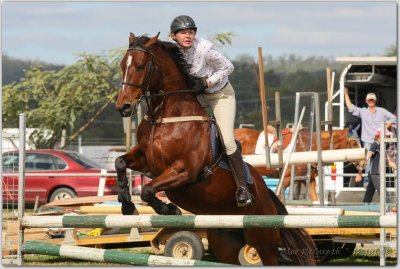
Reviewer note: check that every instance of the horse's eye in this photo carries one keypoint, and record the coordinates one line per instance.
(140, 67)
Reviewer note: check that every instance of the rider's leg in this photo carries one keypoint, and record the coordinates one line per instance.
(223, 105)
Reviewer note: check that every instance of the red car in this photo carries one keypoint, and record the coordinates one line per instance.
(49, 186)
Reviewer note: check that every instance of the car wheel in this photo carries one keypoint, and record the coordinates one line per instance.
(184, 245)
(248, 256)
(62, 193)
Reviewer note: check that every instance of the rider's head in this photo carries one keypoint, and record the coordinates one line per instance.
(183, 30)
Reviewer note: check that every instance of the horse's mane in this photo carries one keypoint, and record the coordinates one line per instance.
(174, 52)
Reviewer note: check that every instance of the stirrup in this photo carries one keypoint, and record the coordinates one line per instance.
(246, 202)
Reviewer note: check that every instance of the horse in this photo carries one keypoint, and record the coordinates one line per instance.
(248, 139)
(174, 146)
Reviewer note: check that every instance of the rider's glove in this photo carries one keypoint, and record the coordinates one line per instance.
(199, 86)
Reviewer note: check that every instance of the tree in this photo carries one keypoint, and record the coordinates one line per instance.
(55, 100)
(391, 51)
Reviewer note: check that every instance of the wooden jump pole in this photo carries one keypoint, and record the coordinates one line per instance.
(302, 157)
(209, 221)
(264, 107)
(148, 210)
(111, 256)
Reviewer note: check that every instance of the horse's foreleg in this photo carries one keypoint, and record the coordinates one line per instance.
(175, 176)
(134, 160)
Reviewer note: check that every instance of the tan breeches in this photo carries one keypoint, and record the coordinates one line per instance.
(223, 105)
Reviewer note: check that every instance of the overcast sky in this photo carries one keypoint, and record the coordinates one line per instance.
(55, 31)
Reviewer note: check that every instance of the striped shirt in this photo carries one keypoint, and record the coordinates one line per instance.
(209, 64)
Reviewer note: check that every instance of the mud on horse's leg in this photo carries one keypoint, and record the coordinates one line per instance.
(124, 197)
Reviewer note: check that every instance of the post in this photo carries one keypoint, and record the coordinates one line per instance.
(21, 185)
(63, 138)
(264, 107)
(329, 87)
(319, 148)
(128, 134)
(102, 182)
(280, 183)
(382, 194)
(80, 150)
(293, 167)
(279, 128)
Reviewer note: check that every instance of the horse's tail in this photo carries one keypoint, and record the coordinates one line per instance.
(298, 244)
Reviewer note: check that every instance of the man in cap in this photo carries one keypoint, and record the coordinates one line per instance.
(371, 118)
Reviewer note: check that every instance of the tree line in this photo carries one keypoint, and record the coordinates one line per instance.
(58, 97)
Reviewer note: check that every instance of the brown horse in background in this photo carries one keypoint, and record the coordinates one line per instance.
(175, 149)
(248, 139)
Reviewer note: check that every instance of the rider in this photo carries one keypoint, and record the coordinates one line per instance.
(212, 68)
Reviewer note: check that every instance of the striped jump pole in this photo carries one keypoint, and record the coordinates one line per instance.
(111, 256)
(209, 221)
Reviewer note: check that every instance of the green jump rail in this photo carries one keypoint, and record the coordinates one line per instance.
(109, 256)
(209, 221)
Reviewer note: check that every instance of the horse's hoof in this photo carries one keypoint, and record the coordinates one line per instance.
(129, 209)
(171, 209)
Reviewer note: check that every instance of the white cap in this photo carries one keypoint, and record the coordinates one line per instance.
(370, 96)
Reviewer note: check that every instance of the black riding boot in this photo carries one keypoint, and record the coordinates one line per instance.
(243, 195)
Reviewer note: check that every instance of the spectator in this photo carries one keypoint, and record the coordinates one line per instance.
(371, 118)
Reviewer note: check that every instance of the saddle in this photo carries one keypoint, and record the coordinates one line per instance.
(219, 157)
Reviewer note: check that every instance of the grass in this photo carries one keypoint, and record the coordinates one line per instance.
(361, 257)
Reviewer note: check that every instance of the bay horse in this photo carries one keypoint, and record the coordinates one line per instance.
(248, 139)
(174, 146)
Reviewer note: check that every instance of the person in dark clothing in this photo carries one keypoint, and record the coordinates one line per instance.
(374, 177)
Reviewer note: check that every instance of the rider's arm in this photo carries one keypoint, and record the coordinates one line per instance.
(347, 98)
(390, 119)
(223, 67)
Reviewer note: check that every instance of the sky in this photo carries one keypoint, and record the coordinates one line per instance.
(55, 31)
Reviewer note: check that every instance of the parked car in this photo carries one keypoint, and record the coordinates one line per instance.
(48, 186)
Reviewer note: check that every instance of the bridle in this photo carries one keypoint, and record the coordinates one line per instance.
(145, 86)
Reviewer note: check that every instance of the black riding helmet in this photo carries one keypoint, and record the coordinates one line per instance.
(182, 22)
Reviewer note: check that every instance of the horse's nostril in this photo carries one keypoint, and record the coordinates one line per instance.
(126, 107)
(125, 110)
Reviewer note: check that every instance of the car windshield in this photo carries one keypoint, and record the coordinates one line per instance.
(84, 161)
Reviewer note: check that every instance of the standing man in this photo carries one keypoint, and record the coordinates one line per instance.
(371, 118)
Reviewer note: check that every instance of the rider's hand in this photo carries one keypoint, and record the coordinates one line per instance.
(199, 86)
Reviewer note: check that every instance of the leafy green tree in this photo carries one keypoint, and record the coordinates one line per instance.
(55, 100)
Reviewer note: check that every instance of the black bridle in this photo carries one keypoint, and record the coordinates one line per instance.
(145, 86)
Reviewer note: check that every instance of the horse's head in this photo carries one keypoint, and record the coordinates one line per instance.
(138, 69)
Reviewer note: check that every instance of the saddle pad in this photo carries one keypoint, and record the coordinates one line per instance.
(224, 164)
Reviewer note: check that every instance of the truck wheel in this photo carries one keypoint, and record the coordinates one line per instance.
(62, 193)
(185, 245)
(249, 256)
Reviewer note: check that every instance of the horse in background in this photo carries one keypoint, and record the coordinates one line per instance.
(248, 138)
(174, 146)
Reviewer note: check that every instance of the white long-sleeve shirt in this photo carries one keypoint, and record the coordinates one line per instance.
(208, 63)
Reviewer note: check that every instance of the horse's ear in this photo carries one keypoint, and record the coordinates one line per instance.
(152, 40)
(131, 39)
